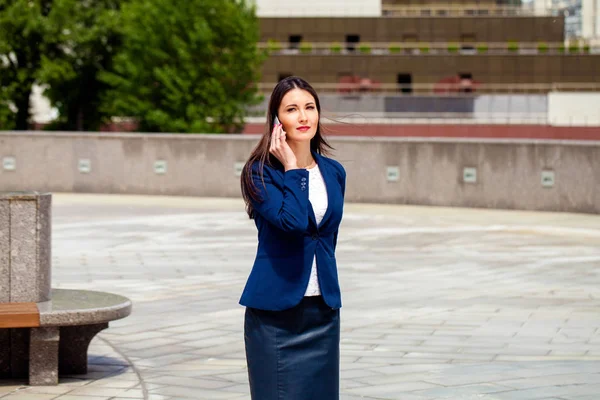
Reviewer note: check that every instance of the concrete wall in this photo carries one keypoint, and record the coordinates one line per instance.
(429, 171)
(574, 109)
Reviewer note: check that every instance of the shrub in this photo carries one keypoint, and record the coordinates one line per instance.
(573, 48)
(482, 48)
(335, 48)
(306, 47)
(273, 45)
(586, 48)
(512, 46)
(424, 49)
(395, 48)
(364, 48)
(542, 47)
(453, 48)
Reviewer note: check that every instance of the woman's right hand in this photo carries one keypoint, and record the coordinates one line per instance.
(281, 149)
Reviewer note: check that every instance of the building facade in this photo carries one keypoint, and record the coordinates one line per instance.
(429, 46)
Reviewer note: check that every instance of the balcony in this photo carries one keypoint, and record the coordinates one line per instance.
(510, 104)
(275, 48)
(458, 88)
(467, 10)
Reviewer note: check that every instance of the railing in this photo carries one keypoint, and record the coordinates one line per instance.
(466, 10)
(273, 47)
(499, 118)
(460, 88)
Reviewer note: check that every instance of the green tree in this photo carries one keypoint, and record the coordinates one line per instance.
(22, 33)
(7, 115)
(186, 66)
(88, 38)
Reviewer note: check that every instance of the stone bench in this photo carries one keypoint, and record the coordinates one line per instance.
(44, 332)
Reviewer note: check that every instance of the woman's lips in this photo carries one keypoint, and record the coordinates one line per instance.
(303, 128)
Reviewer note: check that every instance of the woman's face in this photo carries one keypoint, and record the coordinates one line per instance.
(299, 116)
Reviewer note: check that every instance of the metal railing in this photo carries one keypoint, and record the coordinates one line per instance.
(273, 47)
(463, 88)
(421, 118)
(466, 10)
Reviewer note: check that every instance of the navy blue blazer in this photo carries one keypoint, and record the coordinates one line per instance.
(289, 238)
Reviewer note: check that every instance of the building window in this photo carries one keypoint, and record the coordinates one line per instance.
(295, 41)
(410, 37)
(352, 41)
(405, 83)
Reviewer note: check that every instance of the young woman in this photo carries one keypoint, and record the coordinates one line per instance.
(295, 195)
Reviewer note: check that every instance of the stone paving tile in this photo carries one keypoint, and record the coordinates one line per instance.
(83, 397)
(551, 380)
(29, 396)
(113, 384)
(7, 387)
(397, 389)
(437, 301)
(153, 396)
(572, 391)
(458, 391)
(50, 390)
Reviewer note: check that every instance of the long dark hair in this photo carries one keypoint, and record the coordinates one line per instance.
(261, 152)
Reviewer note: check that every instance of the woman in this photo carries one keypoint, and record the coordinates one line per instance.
(295, 195)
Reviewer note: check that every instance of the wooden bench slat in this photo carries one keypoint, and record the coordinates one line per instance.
(12, 310)
(19, 315)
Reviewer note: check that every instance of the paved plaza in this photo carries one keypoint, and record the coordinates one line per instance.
(438, 303)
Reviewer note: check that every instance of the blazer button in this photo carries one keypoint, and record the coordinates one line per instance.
(315, 236)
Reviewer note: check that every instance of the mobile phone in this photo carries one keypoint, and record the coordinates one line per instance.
(276, 121)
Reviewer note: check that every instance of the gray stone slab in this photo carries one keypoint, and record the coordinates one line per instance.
(43, 352)
(25, 246)
(83, 307)
(23, 251)
(44, 247)
(4, 251)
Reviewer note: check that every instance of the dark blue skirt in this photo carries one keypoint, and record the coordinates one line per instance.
(294, 354)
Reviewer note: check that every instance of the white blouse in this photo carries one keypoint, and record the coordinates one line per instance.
(317, 195)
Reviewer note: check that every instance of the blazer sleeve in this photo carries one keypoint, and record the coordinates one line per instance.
(342, 181)
(285, 206)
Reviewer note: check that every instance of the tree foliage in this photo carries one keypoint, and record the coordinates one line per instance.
(185, 66)
(87, 37)
(180, 66)
(22, 32)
